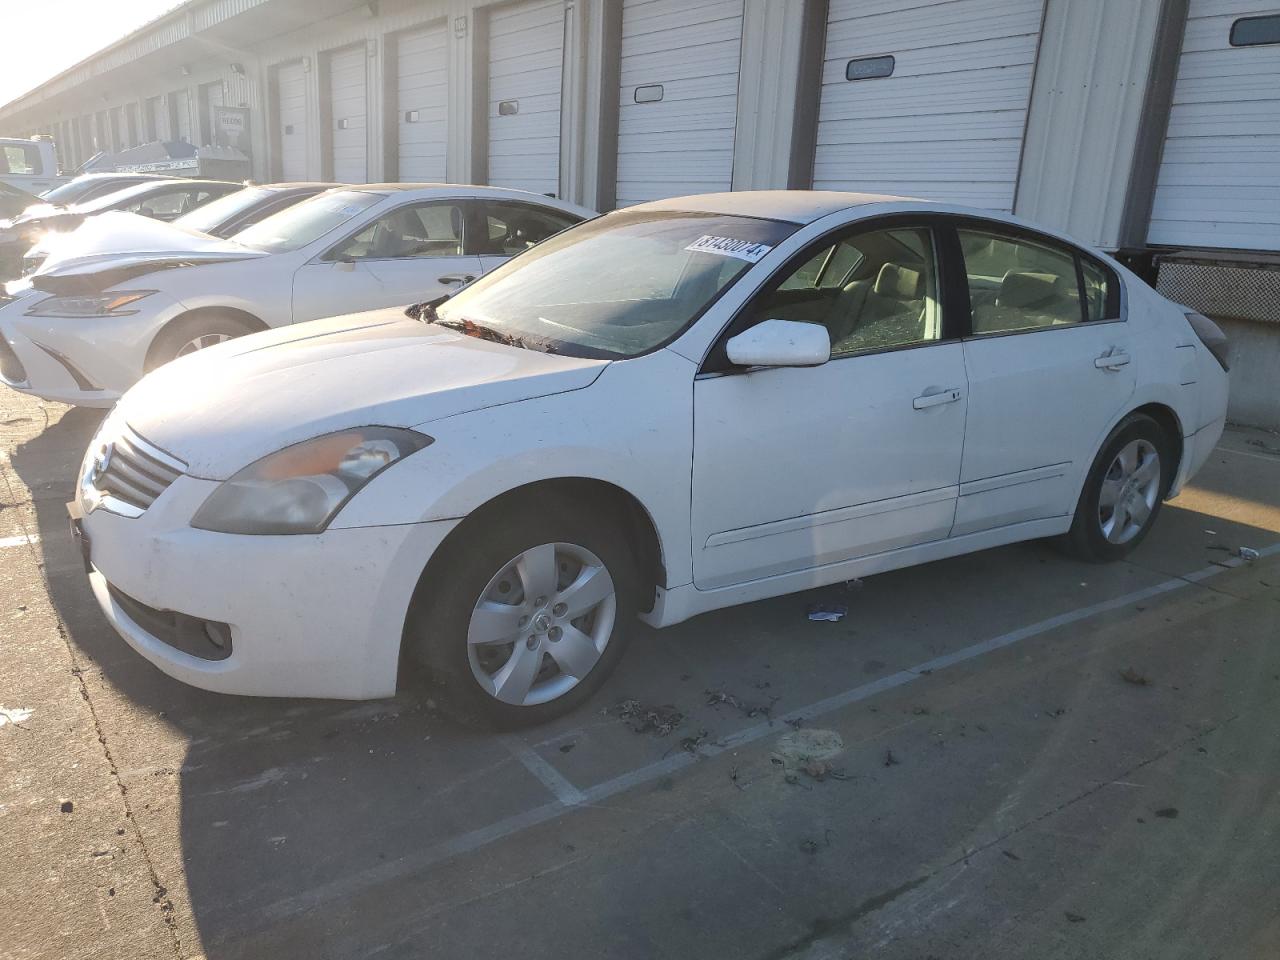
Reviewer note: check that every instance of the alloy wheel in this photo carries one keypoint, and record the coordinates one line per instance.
(541, 624)
(1130, 490)
(201, 342)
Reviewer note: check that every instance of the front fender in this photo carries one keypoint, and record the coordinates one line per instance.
(633, 428)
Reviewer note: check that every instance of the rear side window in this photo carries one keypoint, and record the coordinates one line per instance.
(512, 228)
(19, 159)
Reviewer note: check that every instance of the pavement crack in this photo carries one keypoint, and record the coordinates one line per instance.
(160, 894)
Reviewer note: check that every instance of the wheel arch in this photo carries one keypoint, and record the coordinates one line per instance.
(1171, 426)
(255, 324)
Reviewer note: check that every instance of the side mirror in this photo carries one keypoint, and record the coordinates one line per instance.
(780, 343)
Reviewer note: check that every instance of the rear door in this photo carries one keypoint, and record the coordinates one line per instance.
(410, 254)
(1049, 366)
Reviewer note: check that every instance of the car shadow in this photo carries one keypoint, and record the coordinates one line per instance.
(281, 803)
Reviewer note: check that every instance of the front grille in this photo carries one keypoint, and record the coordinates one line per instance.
(11, 367)
(130, 469)
(206, 639)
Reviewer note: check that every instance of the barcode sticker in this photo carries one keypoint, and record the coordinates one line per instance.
(747, 250)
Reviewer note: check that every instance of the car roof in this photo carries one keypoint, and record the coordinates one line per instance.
(295, 185)
(796, 206)
(464, 190)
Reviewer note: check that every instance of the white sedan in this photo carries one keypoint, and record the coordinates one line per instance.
(83, 329)
(673, 408)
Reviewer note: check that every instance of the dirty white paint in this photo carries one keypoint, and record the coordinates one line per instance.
(19, 541)
(14, 715)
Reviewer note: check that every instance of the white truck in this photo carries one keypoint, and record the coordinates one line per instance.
(30, 165)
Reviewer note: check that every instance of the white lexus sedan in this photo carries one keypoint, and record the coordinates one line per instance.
(673, 408)
(83, 329)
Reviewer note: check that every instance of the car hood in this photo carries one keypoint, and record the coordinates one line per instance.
(223, 408)
(114, 247)
(117, 233)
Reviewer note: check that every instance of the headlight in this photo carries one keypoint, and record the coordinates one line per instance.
(90, 304)
(301, 488)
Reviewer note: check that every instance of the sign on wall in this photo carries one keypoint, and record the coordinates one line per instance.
(231, 129)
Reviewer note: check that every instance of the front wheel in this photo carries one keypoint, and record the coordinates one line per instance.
(527, 619)
(195, 332)
(1122, 493)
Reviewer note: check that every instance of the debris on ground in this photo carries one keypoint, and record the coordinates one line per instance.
(566, 747)
(889, 759)
(1247, 554)
(1011, 855)
(66, 806)
(1073, 917)
(1168, 813)
(691, 744)
(733, 777)
(809, 846)
(828, 612)
(822, 769)
(659, 721)
(749, 710)
(15, 715)
(920, 711)
(1130, 675)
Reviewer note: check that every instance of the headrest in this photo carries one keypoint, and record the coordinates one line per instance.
(900, 283)
(1028, 289)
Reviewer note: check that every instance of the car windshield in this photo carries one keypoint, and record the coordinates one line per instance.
(212, 215)
(118, 198)
(299, 225)
(614, 287)
(71, 192)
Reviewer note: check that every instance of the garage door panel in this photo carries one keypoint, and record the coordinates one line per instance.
(962, 75)
(682, 143)
(348, 100)
(291, 111)
(422, 90)
(526, 55)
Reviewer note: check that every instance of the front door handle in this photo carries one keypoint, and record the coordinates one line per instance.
(451, 279)
(1111, 360)
(927, 400)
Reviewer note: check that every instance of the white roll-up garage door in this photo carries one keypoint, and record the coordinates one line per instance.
(937, 104)
(348, 97)
(422, 85)
(1219, 181)
(291, 112)
(526, 57)
(679, 97)
(181, 101)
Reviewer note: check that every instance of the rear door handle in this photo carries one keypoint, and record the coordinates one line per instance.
(454, 278)
(1111, 361)
(927, 400)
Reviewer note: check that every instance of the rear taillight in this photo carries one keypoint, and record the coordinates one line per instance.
(1211, 336)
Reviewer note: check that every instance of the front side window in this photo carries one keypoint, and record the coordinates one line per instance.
(617, 286)
(874, 290)
(512, 228)
(210, 216)
(20, 159)
(1019, 284)
(297, 226)
(429, 230)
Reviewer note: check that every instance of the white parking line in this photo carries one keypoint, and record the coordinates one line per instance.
(19, 541)
(352, 883)
(551, 778)
(1266, 457)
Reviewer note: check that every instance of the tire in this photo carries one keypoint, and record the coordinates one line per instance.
(177, 338)
(1122, 493)
(493, 561)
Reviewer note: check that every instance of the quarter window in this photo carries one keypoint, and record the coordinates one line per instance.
(432, 230)
(1100, 294)
(1018, 284)
(874, 290)
(513, 228)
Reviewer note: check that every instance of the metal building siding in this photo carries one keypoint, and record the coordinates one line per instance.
(1219, 180)
(526, 59)
(182, 115)
(684, 142)
(422, 87)
(948, 124)
(349, 110)
(291, 113)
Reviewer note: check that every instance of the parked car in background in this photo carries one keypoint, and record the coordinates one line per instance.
(30, 165)
(161, 199)
(115, 232)
(83, 330)
(89, 186)
(677, 407)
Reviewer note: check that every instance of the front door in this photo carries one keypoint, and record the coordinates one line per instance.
(411, 254)
(1050, 368)
(798, 468)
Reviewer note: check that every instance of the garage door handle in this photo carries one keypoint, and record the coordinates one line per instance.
(1111, 361)
(935, 399)
(454, 278)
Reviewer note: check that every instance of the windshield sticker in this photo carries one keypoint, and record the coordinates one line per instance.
(747, 250)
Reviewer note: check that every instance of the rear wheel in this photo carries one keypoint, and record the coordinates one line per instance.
(524, 621)
(1123, 492)
(196, 332)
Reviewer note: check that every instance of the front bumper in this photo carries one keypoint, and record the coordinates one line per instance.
(308, 616)
(85, 361)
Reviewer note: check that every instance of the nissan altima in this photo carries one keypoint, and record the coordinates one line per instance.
(670, 409)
